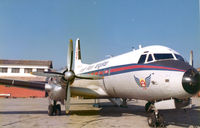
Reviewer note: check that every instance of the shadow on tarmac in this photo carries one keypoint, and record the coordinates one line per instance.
(182, 118)
(23, 112)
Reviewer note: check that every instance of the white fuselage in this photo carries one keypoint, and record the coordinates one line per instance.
(125, 78)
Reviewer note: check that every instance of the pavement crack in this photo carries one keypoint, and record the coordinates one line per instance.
(91, 121)
(18, 121)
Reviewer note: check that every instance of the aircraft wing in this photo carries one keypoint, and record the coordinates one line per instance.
(37, 85)
(88, 92)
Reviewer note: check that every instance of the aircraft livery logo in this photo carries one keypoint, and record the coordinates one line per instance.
(144, 83)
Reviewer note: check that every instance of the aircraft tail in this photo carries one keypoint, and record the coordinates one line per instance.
(78, 63)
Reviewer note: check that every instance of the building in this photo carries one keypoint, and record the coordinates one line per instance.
(21, 70)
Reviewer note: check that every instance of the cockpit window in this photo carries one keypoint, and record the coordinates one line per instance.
(142, 59)
(150, 58)
(178, 57)
(163, 56)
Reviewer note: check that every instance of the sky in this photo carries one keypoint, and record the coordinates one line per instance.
(41, 29)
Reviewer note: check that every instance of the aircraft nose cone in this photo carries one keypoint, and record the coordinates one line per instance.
(191, 81)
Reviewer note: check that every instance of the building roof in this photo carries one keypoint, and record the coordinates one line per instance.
(27, 62)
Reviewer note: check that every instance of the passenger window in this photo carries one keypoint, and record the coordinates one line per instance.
(150, 57)
(142, 59)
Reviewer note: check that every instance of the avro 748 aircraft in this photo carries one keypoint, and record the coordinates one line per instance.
(156, 74)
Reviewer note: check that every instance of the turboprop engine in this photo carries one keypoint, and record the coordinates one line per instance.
(60, 89)
(55, 91)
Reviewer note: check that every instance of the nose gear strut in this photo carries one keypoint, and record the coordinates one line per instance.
(155, 119)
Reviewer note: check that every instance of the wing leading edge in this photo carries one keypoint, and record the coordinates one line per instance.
(37, 85)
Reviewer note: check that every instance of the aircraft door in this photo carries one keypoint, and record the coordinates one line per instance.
(105, 75)
(108, 84)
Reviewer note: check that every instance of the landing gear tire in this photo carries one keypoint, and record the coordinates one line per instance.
(155, 121)
(151, 120)
(160, 121)
(54, 109)
(58, 110)
(50, 110)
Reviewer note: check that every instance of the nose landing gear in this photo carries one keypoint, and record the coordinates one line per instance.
(54, 109)
(155, 119)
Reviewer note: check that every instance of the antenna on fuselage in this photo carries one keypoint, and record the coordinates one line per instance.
(133, 48)
(108, 56)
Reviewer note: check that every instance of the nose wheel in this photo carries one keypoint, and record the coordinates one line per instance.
(54, 109)
(155, 119)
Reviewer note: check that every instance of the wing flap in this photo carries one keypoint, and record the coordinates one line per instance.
(87, 92)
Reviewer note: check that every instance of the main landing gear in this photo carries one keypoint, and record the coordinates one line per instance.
(54, 109)
(155, 119)
(96, 103)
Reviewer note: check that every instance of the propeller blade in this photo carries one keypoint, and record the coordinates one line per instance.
(47, 74)
(67, 98)
(70, 55)
(191, 58)
(87, 76)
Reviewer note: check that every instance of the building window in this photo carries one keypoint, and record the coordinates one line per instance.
(15, 70)
(3, 70)
(27, 70)
(40, 70)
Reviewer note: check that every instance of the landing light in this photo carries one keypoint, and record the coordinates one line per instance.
(188, 79)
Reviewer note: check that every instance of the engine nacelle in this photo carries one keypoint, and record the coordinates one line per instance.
(173, 104)
(55, 91)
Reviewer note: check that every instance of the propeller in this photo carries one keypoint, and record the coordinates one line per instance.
(68, 76)
(191, 58)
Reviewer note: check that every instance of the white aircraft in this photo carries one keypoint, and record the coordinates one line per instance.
(156, 74)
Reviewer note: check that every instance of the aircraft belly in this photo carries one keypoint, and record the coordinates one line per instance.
(146, 85)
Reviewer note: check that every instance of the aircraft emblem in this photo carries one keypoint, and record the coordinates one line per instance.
(144, 83)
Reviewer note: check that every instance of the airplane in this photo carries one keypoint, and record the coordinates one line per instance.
(156, 74)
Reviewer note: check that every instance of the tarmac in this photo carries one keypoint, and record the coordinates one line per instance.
(32, 113)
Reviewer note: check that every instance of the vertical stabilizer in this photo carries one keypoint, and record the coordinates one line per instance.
(78, 63)
(78, 50)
